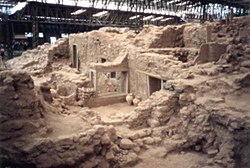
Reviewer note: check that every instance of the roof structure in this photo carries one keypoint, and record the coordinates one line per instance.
(118, 13)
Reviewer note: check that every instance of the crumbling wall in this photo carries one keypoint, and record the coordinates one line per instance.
(69, 87)
(182, 54)
(160, 37)
(210, 52)
(39, 60)
(150, 64)
(235, 32)
(20, 110)
(194, 35)
(89, 149)
(29, 138)
(197, 118)
(93, 46)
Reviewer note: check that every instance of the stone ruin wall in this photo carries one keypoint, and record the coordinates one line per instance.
(173, 41)
(93, 46)
(194, 35)
(105, 43)
(21, 110)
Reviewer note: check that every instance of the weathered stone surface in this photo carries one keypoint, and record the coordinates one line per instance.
(210, 52)
(148, 140)
(105, 139)
(246, 63)
(153, 123)
(110, 155)
(130, 159)
(212, 152)
(126, 144)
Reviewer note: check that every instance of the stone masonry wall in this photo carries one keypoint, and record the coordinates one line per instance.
(20, 110)
(93, 46)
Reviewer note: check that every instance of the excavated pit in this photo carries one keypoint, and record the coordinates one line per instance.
(187, 89)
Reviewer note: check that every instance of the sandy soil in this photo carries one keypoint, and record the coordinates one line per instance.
(66, 125)
(152, 158)
(113, 112)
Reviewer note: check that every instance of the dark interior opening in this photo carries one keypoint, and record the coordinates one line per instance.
(103, 60)
(74, 64)
(154, 85)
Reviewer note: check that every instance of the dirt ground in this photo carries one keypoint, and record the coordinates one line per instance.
(176, 160)
(114, 113)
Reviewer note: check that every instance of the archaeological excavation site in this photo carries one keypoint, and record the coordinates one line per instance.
(157, 92)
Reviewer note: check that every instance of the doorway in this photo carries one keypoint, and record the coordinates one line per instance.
(154, 84)
(75, 59)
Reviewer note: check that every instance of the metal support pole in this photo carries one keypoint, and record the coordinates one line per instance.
(35, 31)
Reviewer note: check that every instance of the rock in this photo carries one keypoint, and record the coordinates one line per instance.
(139, 142)
(197, 147)
(136, 100)
(67, 142)
(53, 92)
(126, 144)
(70, 99)
(105, 140)
(176, 137)
(3, 119)
(212, 152)
(163, 109)
(44, 161)
(99, 129)
(153, 123)
(157, 140)
(234, 125)
(109, 155)
(137, 149)
(70, 161)
(148, 140)
(144, 132)
(218, 99)
(8, 81)
(246, 63)
(131, 159)
(134, 136)
(16, 96)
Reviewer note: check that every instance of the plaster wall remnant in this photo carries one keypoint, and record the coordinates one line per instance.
(209, 33)
(210, 52)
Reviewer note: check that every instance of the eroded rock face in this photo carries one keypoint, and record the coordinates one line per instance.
(17, 95)
(20, 110)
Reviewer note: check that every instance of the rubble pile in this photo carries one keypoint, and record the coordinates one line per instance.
(69, 87)
(21, 111)
(237, 53)
(39, 60)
